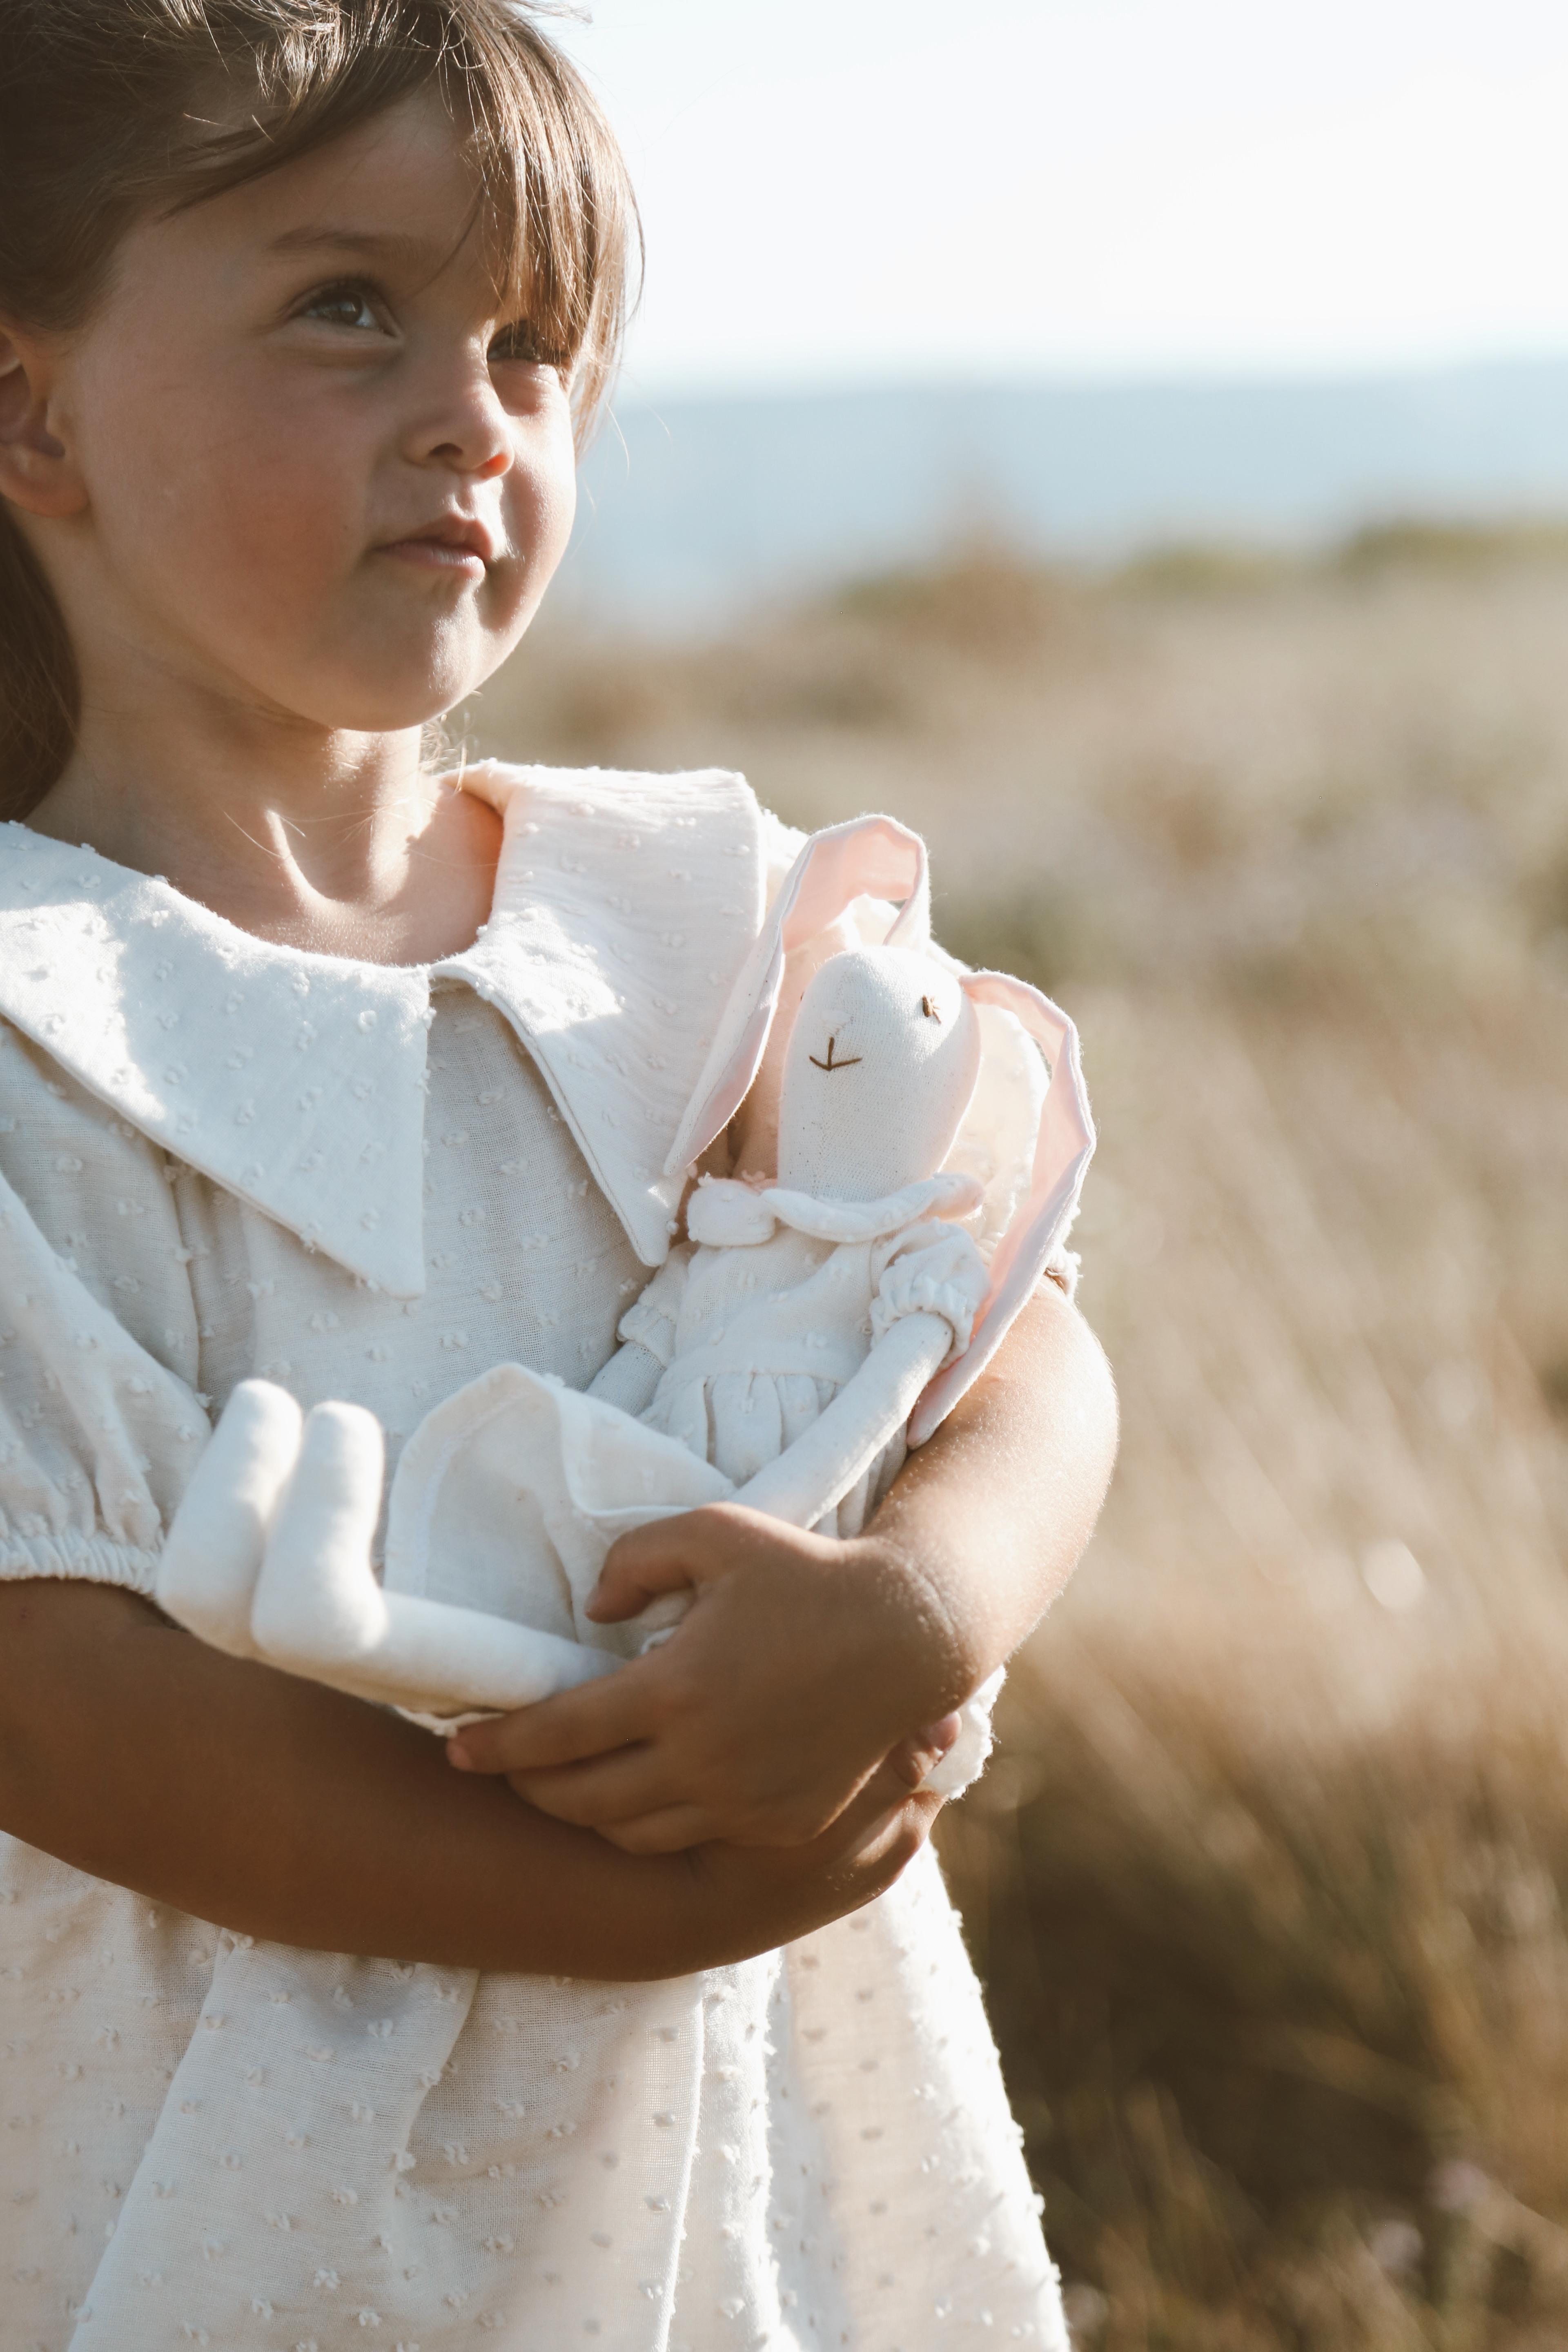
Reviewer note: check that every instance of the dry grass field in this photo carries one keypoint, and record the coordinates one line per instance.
(1267, 1884)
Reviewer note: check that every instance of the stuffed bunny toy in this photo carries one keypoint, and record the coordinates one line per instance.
(784, 1355)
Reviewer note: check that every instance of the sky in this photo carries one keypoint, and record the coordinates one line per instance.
(850, 191)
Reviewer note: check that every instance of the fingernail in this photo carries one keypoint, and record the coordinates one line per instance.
(458, 1756)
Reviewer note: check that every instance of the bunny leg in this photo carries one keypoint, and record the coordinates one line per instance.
(212, 1554)
(320, 1613)
(316, 1602)
(814, 1473)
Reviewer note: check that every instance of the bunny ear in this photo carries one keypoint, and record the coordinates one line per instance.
(1064, 1147)
(870, 856)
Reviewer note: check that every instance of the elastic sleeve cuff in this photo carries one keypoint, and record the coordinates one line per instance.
(650, 1327)
(938, 1271)
(81, 1560)
(926, 1293)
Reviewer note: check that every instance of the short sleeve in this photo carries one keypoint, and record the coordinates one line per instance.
(97, 1439)
(933, 1268)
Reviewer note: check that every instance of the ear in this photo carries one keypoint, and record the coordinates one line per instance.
(870, 856)
(1063, 1149)
(37, 471)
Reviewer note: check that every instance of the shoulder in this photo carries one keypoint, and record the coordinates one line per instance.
(688, 855)
(628, 809)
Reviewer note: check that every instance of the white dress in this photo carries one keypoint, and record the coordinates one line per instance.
(217, 1159)
(753, 1341)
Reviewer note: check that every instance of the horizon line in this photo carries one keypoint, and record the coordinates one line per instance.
(693, 391)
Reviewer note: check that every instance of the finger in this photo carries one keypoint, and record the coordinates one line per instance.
(680, 1826)
(921, 1754)
(885, 1799)
(607, 1789)
(669, 1832)
(592, 1721)
(887, 1847)
(666, 1556)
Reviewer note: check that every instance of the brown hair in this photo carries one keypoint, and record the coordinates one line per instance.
(111, 110)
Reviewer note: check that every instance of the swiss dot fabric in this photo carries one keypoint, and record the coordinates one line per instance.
(212, 2141)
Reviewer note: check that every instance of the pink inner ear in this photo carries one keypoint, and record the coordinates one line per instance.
(1063, 1149)
(869, 857)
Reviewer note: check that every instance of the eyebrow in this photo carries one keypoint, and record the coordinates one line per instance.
(394, 242)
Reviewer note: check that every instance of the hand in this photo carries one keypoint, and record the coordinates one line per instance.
(803, 1665)
(758, 1897)
(306, 1817)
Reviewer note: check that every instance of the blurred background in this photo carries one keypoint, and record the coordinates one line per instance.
(1131, 445)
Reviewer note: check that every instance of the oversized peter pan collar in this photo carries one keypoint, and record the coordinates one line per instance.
(624, 909)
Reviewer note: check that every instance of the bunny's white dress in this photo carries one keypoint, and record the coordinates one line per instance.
(755, 1336)
(220, 1158)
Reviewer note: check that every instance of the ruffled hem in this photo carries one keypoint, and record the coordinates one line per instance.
(85, 1560)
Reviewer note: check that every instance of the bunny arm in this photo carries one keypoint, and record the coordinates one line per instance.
(647, 1331)
(830, 1457)
(820, 1467)
(629, 1379)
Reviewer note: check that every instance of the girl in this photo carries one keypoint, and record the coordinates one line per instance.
(301, 302)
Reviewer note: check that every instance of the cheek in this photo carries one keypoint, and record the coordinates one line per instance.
(249, 481)
(219, 507)
(542, 505)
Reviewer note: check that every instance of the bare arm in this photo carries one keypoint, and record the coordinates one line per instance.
(990, 1516)
(804, 1662)
(285, 1810)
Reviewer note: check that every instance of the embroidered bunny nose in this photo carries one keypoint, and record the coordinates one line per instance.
(834, 1061)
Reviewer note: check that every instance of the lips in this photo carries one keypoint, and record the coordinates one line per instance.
(449, 539)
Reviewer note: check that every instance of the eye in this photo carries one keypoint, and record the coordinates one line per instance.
(928, 1009)
(524, 344)
(344, 305)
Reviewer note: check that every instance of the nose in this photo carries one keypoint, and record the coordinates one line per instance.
(462, 427)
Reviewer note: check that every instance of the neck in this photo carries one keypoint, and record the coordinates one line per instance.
(317, 838)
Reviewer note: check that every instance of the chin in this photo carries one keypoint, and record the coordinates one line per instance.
(356, 703)
(366, 712)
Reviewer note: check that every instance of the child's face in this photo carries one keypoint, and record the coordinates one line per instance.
(312, 477)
